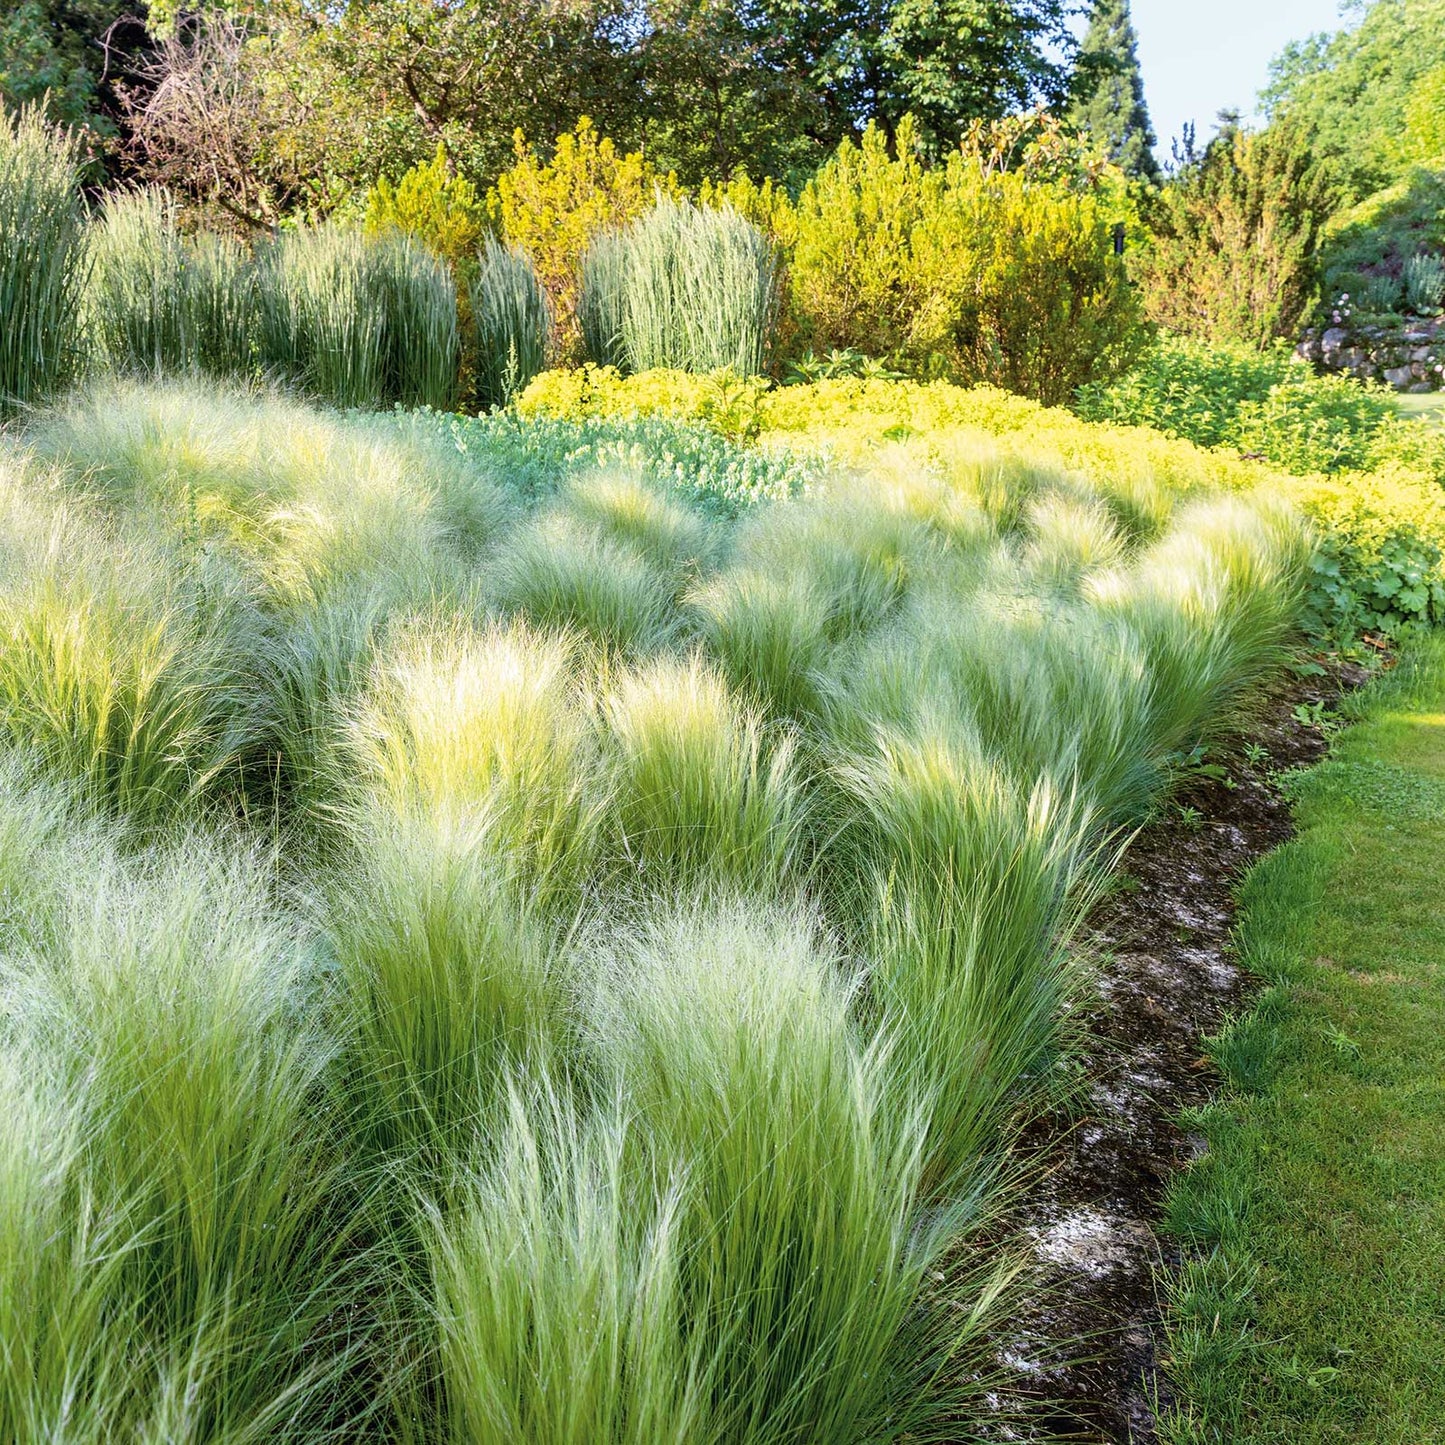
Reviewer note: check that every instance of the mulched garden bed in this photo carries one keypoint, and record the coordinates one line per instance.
(1088, 1340)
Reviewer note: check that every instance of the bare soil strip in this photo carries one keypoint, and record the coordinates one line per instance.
(1089, 1338)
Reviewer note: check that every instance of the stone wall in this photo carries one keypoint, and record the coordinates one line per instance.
(1408, 355)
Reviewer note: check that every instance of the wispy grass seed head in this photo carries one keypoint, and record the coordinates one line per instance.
(702, 795)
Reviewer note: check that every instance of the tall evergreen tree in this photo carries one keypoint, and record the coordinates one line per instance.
(1108, 94)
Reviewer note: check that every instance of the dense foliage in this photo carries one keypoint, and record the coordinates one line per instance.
(260, 107)
(1233, 255)
(1367, 247)
(561, 964)
(1363, 94)
(1107, 97)
(1266, 403)
(1380, 561)
(971, 270)
(69, 55)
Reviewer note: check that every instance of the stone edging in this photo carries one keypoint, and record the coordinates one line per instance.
(1407, 357)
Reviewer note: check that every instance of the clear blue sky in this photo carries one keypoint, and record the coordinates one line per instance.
(1203, 56)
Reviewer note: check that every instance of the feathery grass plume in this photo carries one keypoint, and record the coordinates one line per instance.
(730, 1029)
(856, 552)
(684, 287)
(47, 836)
(1141, 504)
(1004, 480)
(136, 300)
(119, 668)
(701, 795)
(906, 480)
(769, 634)
(1210, 604)
(200, 1270)
(313, 667)
(43, 258)
(513, 321)
(1000, 483)
(1053, 692)
(558, 1292)
(186, 448)
(473, 494)
(421, 342)
(484, 728)
(672, 535)
(65, 1330)
(363, 516)
(560, 571)
(313, 504)
(1069, 535)
(971, 875)
(449, 985)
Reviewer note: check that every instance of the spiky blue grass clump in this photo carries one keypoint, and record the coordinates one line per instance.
(43, 259)
(358, 321)
(513, 320)
(684, 287)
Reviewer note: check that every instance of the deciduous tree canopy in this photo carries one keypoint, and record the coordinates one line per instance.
(1352, 90)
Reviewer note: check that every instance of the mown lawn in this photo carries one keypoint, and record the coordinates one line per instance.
(1316, 1310)
(1429, 408)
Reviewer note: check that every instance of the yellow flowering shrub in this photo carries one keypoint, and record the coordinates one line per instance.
(729, 404)
(552, 209)
(972, 269)
(767, 205)
(439, 208)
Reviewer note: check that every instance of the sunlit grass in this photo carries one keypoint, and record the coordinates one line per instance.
(550, 962)
(701, 794)
(43, 261)
(484, 727)
(172, 1206)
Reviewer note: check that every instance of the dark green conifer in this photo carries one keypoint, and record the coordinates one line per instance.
(1108, 92)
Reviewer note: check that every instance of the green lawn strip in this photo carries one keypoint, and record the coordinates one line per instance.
(1314, 1305)
(1428, 408)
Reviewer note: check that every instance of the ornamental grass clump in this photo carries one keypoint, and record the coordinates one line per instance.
(136, 299)
(185, 1220)
(121, 668)
(558, 1262)
(449, 983)
(160, 303)
(730, 1029)
(359, 321)
(564, 571)
(43, 259)
(483, 728)
(513, 321)
(769, 634)
(1209, 606)
(702, 795)
(970, 881)
(687, 287)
